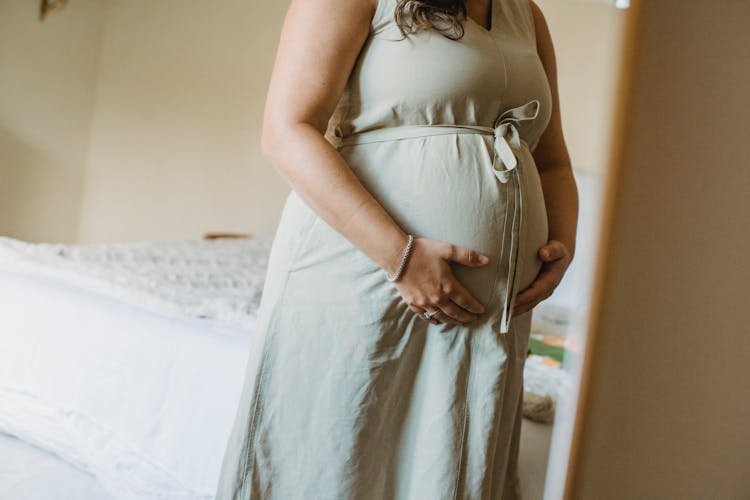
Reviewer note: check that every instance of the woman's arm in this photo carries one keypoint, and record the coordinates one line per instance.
(560, 190)
(319, 45)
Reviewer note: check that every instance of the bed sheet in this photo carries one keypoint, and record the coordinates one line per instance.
(30, 473)
(141, 401)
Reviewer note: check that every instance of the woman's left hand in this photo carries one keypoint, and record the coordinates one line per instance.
(556, 258)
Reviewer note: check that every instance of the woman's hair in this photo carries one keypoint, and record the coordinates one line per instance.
(413, 16)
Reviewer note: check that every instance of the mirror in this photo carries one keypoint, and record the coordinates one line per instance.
(137, 216)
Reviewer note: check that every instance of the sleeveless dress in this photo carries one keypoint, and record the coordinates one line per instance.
(349, 394)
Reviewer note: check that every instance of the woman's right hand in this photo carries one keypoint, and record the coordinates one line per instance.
(428, 283)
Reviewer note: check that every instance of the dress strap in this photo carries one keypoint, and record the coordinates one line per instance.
(515, 19)
(383, 17)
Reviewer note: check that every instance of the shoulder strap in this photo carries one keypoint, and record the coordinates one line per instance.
(383, 16)
(516, 19)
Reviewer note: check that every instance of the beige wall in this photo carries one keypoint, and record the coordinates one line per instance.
(587, 36)
(667, 414)
(175, 142)
(47, 81)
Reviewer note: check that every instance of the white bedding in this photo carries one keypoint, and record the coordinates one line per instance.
(142, 401)
(30, 473)
(128, 360)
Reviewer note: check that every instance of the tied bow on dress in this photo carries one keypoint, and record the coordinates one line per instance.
(505, 163)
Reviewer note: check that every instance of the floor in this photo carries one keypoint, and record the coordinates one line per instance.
(535, 445)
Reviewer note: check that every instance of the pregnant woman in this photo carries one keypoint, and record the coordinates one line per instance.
(432, 207)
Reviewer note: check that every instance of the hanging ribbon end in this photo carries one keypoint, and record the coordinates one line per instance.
(504, 157)
(502, 175)
(505, 321)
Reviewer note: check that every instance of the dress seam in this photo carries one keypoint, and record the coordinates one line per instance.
(257, 414)
(459, 474)
(253, 425)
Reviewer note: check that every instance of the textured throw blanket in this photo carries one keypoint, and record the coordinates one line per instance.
(218, 279)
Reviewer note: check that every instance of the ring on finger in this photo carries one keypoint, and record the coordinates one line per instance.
(429, 314)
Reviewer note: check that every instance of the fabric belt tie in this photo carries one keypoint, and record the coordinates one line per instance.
(504, 162)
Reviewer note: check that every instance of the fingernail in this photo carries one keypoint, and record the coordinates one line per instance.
(483, 259)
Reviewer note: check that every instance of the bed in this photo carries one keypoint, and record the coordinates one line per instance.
(122, 365)
(135, 387)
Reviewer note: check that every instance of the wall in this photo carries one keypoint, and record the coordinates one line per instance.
(47, 81)
(175, 142)
(666, 412)
(587, 37)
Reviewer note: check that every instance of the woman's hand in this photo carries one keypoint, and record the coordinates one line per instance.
(428, 283)
(556, 257)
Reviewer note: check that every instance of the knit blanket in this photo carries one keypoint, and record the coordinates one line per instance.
(219, 279)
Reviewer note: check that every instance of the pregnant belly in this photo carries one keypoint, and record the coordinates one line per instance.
(444, 188)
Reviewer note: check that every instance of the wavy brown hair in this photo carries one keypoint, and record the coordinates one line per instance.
(445, 16)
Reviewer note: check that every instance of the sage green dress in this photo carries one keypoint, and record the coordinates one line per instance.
(349, 394)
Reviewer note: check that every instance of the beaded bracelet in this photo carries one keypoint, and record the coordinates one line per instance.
(407, 251)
